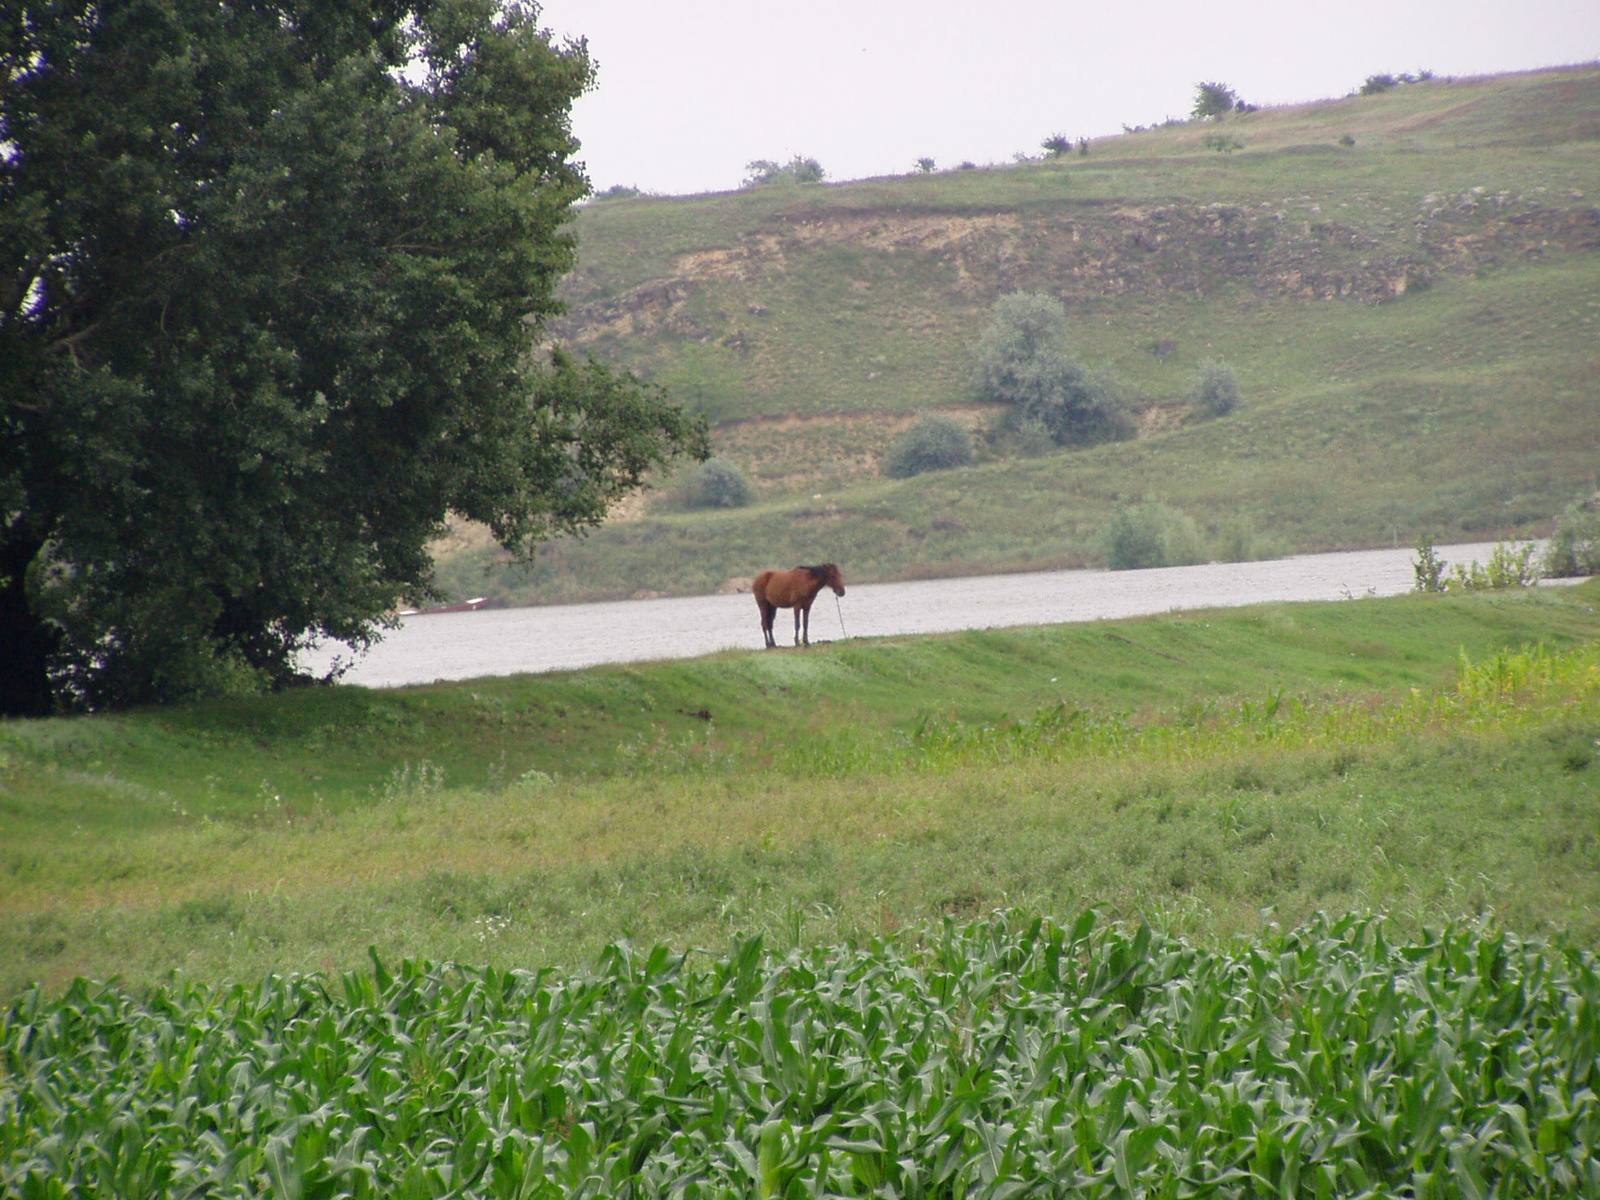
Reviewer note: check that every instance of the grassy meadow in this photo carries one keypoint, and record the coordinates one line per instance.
(1190, 769)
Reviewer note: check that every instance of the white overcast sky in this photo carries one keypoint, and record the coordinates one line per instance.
(689, 91)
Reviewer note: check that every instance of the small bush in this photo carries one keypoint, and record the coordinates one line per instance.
(1027, 437)
(1428, 566)
(1214, 390)
(799, 169)
(1508, 567)
(1237, 540)
(1574, 548)
(1151, 534)
(717, 483)
(934, 443)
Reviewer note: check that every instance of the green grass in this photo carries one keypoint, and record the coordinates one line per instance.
(840, 792)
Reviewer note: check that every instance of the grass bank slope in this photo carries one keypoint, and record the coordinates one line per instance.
(1191, 768)
(1404, 283)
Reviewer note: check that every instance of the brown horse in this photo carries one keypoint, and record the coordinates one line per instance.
(794, 589)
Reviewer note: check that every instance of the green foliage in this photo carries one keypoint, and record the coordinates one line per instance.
(1508, 567)
(1335, 1058)
(925, 166)
(618, 191)
(1237, 540)
(717, 483)
(1151, 534)
(1056, 145)
(932, 443)
(1222, 143)
(1574, 547)
(1213, 100)
(1377, 84)
(1214, 390)
(1428, 567)
(269, 285)
(1024, 363)
(799, 169)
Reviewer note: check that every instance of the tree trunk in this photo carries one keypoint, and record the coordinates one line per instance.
(26, 642)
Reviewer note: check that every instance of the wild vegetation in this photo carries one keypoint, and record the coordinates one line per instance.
(932, 443)
(1409, 318)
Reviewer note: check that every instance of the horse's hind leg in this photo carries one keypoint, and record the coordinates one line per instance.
(768, 612)
(805, 612)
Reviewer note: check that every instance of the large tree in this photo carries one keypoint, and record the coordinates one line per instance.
(272, 275)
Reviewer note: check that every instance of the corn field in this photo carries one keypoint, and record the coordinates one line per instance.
(1009, 1057)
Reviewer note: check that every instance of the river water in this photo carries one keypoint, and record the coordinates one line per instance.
(510, 641)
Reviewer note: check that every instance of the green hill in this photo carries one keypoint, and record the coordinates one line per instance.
(1405, 284)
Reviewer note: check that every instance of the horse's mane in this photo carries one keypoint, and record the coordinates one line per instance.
(820, 571)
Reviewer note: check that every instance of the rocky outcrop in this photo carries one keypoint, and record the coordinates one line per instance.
(1086, 252)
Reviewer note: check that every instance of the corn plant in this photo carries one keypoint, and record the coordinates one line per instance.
(1009, 1057)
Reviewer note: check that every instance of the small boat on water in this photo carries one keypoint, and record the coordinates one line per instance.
(465, 606)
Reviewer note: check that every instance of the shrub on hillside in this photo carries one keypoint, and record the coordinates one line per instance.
(1214, 390)
(934, 443)
(1024, 363)
(1151, 534)
(717, 483)
(1574, 548)
(798, 169)
(1213, 100)
(1026, 437)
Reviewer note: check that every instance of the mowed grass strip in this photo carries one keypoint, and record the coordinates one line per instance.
(1144, 778)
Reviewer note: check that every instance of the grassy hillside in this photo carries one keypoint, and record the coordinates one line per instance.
(1405, 284)
(1193, 767)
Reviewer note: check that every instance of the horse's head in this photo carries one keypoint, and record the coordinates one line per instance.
(833, 579)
